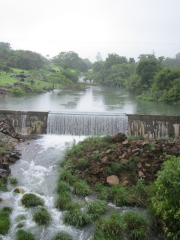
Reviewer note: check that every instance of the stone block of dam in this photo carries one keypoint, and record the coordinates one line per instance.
(74, 123)
(27, 122)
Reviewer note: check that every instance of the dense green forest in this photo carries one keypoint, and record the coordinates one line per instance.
(150, 78)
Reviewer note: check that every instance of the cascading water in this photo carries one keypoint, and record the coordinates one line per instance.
(37, 173)
(86, 124)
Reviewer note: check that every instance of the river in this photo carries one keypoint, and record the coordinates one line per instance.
(94, 99)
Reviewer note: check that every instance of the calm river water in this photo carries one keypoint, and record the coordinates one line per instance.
(94, 99)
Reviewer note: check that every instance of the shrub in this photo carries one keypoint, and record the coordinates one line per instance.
(110, 228)
(136, 224)
(76, 218)
(42, 217)
(97, 208)
(5, 220)
(62, 236)
(24, 235)
(31, 200)
(81, 188)
(166, 198)
(16, 91)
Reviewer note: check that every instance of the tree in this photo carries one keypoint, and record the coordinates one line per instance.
(70, 60)
(114, 59)
(98, 57)
(5, 46)
(146, 69)
(178, 56)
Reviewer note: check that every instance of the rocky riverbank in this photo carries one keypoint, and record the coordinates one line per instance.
(122, 160)
(8, 141)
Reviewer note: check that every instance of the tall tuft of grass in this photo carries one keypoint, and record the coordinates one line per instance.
(31, 200)
(42, 217)
(97, 208)
(81, 188)
(5, 220)
(62, 236)
(24, 235)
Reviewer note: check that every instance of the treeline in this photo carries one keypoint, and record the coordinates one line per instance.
(151, 78)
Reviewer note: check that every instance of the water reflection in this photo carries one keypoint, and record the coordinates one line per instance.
(94, 99)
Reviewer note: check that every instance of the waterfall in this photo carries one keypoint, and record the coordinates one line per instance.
(86, 124)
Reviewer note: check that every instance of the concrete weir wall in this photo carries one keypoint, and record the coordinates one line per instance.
(27, 122)
(153, 126)
(146, 126)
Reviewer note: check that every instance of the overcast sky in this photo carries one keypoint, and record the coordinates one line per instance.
(126, 27)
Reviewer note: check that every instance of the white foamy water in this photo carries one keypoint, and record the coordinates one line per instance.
(37, 173)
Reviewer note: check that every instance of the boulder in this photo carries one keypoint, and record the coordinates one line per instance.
(113, 180)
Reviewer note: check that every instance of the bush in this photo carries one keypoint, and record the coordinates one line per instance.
(136, 224)
(24, 235)
(97, 208)
(81, 188)
(42, 217)
(31, 200)
(16, 91)
(166, 202)
(62, 236)
(5, 220)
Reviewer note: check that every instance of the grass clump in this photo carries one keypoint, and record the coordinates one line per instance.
(63, 200)
(31, 200)
(24, 235)
(136, 224)
(5, 220)
(97, 208)
(67, 176)
(82, 163)
(81, 188)
(62, 187)
(111, 228)
(76, 218)
(62, 236)
(42, 217)
(13, 181)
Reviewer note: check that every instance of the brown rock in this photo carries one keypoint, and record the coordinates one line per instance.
(125, 142)
(122, 156)
(108, 151)
(113, 180)
(139, 165)
(141, 174)
(104, 159)
(125, 183)
(123, 161)
(147, 165)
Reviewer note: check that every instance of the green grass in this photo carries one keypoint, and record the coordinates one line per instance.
(24, 235)
(42, 217)
(76, 218)
(97, 208)
(62, 236)
(31, 200)
(81, 188)
(5, 220)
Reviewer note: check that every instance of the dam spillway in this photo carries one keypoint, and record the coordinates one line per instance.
(86, 124)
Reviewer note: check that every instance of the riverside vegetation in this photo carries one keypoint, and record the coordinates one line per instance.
(151, 78)
(148, 173)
